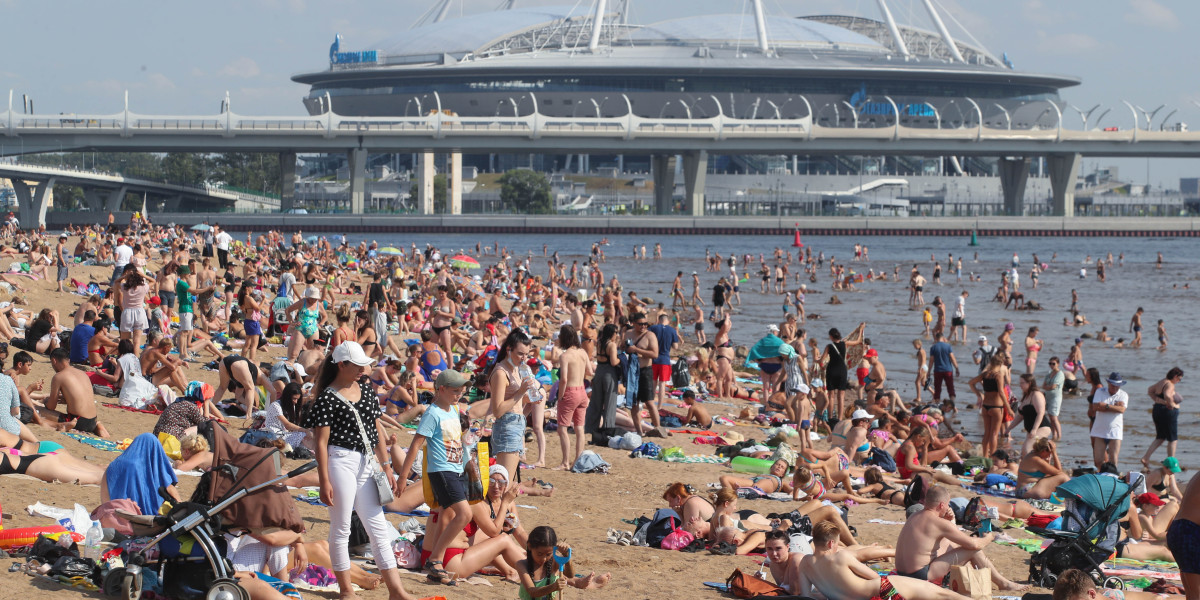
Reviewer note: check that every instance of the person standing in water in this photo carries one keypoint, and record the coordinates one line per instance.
(1135, 326)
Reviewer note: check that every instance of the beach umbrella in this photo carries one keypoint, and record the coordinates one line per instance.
(390, 251)
(310, 240)
(201, 227)
(463, 261)
(469, 285)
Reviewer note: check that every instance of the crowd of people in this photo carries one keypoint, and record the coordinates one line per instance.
(334, 350)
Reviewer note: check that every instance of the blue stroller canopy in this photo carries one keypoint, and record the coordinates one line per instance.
(1097, 491)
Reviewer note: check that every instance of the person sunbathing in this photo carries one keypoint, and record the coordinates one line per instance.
(768, 483)
(47, 461)
(1074, 584)
(837, 573)
(812, 488)
(728, 515)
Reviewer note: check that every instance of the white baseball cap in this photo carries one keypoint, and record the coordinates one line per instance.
(298, 369)
(860, 414)
(351, 352)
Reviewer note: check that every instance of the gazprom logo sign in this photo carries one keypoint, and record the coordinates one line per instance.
(859, 101)
(350, 58)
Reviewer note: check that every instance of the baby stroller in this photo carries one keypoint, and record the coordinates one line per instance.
(242, 490)
(1093, 506)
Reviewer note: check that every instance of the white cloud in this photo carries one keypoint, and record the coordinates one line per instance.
(1066, 43)
(158, 81)
(1150, 13)
(243, 67)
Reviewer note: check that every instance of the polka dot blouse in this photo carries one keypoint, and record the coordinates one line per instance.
(331, 411)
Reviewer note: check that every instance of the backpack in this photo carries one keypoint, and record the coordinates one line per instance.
(882, 459)
(915, 492)
(975, 515)
(742, 585)
(660, 526)
(680, 377)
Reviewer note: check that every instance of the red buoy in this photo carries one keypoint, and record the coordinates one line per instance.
(796, 242)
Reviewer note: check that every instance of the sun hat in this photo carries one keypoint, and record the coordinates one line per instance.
(773, 328)
(1172, 464)
(312, 293)
(351, 352)
(498, 469)
(1009, 326)
(1116, 379)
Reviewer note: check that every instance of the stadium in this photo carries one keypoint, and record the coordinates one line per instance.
(742, 65)
(590, 60)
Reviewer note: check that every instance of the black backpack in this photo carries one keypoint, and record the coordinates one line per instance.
(680, 376)
(915, 492)
(661, 525)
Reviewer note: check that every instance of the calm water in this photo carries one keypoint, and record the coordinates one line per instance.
(892, 326)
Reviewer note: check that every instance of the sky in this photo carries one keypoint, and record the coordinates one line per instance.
(182, 57)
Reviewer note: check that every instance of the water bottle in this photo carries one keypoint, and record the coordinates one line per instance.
(91, 542)
(535, 391)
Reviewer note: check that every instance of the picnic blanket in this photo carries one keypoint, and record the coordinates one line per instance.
(695, 458)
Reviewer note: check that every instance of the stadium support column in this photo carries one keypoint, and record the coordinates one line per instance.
(358, 180)
(1014, 173)
(425, 183)
(695, 174)
(32, 200)
(287, 181)
(663, 166)
(455, 183)
(1064, 171)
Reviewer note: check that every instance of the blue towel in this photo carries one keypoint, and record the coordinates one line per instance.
(138, 473)
(768, 347)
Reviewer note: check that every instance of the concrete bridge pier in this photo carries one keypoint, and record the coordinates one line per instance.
(171, 204)
(32, 200)
(287, 181)
(358, 180)
(695, 174)
(1064, 172)
(425, 175)
(1014, 173)
(663, 167)
(455, 193)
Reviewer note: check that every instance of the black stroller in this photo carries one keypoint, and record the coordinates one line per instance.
(242, 490)
(1094, 505)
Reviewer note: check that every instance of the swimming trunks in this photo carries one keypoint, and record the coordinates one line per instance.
(922, 573)
(81, 424)
(1183, 539)
(886, 591)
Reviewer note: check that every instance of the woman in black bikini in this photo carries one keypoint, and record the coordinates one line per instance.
(1033, 413)
(365, 334)
(994, 401)
(876, 486)
(836, 382)
(47, 461)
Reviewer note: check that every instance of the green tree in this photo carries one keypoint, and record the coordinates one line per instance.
(526, 192)
(184, 168)
(439, 194)
(257, 172)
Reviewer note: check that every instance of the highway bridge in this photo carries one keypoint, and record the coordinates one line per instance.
(104, 192)
(664, 139)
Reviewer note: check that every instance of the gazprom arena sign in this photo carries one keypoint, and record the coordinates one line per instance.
(350, 58)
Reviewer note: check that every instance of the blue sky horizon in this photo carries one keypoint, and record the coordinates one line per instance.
(181, 58)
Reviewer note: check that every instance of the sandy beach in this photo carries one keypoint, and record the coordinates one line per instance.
(582, 508)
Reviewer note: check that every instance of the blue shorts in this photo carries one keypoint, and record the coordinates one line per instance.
(449, 488)
(508, 434)
(252, 327)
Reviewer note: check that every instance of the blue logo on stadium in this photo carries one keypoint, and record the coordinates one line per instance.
(859, 101)
(346, 58)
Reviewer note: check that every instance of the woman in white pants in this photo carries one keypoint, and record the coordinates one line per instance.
(343, 462)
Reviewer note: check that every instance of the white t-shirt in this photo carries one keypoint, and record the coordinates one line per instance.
(223, 240)
(961, 310)
(122, 255)
(1110, 425)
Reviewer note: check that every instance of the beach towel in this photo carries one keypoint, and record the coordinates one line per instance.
(139, 472)
(95, 442)
(767, 347)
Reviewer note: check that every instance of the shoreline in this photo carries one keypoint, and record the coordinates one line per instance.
(673, 225)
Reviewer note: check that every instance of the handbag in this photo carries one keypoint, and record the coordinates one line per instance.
(743, 585)
(382, 485)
